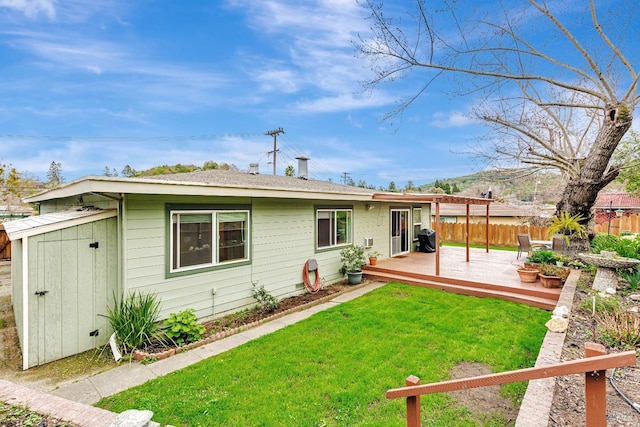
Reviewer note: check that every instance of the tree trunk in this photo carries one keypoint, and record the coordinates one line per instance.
(581, 191)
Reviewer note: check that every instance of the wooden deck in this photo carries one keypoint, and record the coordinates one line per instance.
(487, 274)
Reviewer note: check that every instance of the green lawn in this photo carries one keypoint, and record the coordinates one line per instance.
(333, 369)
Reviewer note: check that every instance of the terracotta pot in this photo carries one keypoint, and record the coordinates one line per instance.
(528, 275)
(373, 260)
(551, 281)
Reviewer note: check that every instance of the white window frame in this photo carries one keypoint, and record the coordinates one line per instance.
(413, 220)
(215, 239)
(334, 218)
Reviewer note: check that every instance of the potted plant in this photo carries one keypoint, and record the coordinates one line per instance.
(567, 225)
(353, 259)
(373, 257)
(552, 276)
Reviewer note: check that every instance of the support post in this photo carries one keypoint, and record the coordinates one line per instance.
(595, 389)
(413, 404)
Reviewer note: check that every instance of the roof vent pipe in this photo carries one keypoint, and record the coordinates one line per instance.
(302, 167)
(254, 168)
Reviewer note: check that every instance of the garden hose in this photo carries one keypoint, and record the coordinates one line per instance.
(311, 265)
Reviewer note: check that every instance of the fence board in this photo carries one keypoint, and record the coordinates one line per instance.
(5, 244)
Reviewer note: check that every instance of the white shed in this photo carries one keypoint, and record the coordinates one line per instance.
(64, 274)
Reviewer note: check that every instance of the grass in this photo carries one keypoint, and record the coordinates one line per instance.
(333, 369)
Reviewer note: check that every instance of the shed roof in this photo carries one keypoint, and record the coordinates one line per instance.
(39, 224)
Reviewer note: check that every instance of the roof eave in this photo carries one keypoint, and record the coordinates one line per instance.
(162, 187)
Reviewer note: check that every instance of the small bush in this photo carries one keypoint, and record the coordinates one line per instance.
(544, 256)
(603, 242)
(183, 328)
(264, 298)
(632, 276)
(620, 329)
(134, 321)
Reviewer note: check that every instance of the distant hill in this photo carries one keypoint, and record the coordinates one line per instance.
(512, 185)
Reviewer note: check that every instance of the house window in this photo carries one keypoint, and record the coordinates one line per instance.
(417, 222)
(333, 227)
(208, 238)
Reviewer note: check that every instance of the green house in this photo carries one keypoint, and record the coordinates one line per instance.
(198, 240)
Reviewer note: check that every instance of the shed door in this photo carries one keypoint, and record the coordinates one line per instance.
(75, 282)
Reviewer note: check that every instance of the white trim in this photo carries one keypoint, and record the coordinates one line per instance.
(25, 304)
(45, 227)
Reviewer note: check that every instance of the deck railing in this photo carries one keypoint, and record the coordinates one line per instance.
(594, 367)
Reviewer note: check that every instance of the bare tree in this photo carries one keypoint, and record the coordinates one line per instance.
(557, 86)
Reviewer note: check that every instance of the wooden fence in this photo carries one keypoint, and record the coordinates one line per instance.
(594, 368)
(629, 223)
(499, 234)
(5, 244)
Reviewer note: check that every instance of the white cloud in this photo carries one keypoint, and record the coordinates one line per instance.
(452, 119)
(31, 8)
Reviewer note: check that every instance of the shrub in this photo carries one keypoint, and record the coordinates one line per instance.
(183, 328)
(627, 248)
(134, 320)
(619, 329)
(632, 276)
(603, 242)
(567, 225)
(544, 256)
(352, 258)
(264, 298)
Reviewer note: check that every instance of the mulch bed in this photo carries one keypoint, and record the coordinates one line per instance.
(568, 408)
(233, 323)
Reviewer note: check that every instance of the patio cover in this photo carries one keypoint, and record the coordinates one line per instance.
(437, 199)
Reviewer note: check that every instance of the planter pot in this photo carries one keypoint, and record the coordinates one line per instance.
(528, 275)
(373, 260)
(551, 281)
(532, 266)
(354, 277)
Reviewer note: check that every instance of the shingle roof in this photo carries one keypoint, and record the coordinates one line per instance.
(246, 180)
(616, 201)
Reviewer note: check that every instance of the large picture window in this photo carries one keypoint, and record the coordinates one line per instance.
(206, 238)
(334, 227)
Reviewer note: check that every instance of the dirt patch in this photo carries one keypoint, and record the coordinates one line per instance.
(484, 402)
(568, 408)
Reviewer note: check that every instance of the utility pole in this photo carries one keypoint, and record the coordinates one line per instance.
(345, 176)
(274, 134)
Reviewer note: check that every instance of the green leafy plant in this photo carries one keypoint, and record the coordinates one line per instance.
(567, 225)
(134, 320)
(554, 270)
(374, 254)
(352, 258)
(264, 298)
(600, 304)
(183, 328)
(603, 242)
(544, 256)
(632, 276)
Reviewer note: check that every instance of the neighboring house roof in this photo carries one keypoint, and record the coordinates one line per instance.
(54, 221)
(616, 201)
(497, 210)
(234, 183)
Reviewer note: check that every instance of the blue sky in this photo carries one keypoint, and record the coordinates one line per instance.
(95, 83)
